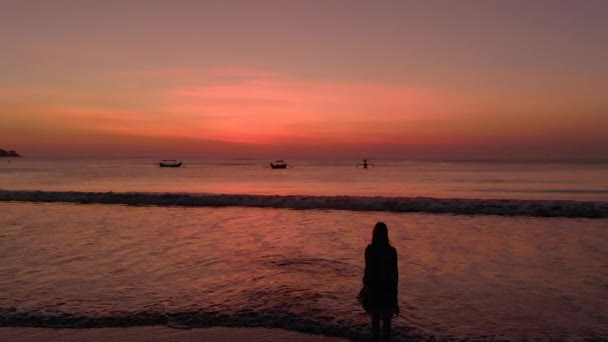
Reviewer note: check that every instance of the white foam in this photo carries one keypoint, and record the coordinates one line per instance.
(545, 208)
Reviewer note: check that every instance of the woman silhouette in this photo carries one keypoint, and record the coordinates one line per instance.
(380, 282)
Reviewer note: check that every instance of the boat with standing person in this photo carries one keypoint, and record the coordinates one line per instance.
(365, 164)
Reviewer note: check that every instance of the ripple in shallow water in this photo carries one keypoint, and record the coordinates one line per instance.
(463, 276)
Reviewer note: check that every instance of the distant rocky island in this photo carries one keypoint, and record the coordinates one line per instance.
(4, 153)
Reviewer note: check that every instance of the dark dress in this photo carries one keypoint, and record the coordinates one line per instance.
(381, 278)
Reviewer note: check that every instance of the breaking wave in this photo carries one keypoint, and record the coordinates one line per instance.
(10, 317)
(510, 207)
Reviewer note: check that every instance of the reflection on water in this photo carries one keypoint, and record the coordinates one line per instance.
(506, 277)
(582, 181)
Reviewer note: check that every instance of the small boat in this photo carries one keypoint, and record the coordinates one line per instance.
(279, 164)
(170, 163)
(366, 164)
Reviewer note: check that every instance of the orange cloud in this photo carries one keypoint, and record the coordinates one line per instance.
(265, 108)
(243, 105)
(243, 111)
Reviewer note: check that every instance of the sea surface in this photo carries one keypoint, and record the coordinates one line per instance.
(564, 181)
(474, 276)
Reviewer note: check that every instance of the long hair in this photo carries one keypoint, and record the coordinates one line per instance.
(380, 235)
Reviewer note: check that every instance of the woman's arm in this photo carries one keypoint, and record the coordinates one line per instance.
(396, 271)
(367, 263)
(396, 282)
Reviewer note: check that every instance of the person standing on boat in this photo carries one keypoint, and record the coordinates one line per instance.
(366, 164)
(380, 281)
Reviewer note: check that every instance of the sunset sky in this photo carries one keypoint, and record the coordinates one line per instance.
(305, 79)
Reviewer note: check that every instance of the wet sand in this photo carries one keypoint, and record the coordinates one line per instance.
(159, 333)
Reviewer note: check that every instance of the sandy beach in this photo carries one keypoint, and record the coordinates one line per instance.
(158, 333)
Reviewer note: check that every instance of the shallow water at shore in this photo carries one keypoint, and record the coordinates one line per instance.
(463, 276)
(159, 334)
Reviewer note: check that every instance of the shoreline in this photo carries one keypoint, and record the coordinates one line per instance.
(462, 206)
(159, 333)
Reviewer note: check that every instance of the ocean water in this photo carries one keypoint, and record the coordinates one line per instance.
(564, 181)
(461, 276)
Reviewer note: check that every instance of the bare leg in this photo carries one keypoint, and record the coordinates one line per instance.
(386, 326)
(376, 326)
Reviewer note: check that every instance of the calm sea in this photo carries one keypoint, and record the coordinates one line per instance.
(587, 181)
(461, 276)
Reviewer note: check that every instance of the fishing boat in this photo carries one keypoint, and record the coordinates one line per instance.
(279, 164)
(366, 164)
(170, 163)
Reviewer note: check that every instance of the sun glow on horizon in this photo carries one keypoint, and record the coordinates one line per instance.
(413, 82)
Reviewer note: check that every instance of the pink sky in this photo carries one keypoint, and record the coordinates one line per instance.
(481, 80)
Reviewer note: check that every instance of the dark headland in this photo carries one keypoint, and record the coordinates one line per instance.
(4, 153)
